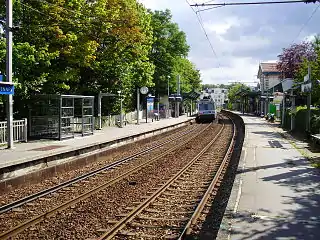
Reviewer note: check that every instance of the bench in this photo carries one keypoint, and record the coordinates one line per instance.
(315, 138)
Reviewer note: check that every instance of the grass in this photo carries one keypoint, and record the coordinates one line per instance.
(314, 161)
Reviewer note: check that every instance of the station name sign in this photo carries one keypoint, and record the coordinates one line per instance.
(6, 88)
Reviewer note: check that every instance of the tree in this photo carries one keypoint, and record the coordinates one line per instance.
(291, 58)
(84, 47)
(76, 47)
(189, 75)
(169, 45)
(235, 89)
(311, 1)
(205, 86)
(315, 72)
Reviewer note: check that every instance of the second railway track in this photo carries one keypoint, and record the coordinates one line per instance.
(171, 210)
(43, 193)
(50, 212)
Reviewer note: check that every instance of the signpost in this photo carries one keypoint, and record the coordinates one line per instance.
(6, 88)
(142, 90)
(149, 107)
(306, 87)
(8, 30)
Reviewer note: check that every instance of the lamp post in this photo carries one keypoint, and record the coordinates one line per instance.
(168, 86)
(9, 72)
(119, 92)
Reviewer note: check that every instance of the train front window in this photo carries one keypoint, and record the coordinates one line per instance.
(205, 107)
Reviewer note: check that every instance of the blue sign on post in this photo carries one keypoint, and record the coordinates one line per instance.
(6, 88)
(150, 102)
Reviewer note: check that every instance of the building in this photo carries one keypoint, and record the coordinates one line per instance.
(269, 77)
(219, 95)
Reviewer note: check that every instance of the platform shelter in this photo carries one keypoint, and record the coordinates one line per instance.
(60, 116)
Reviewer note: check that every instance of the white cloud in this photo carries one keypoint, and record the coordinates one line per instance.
(310, 37)
(241, 36)
(224, 25)
(240, 70)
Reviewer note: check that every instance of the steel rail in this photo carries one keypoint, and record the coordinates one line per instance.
(130, 216)
(45, 192)
(220, 173)
(15, 230)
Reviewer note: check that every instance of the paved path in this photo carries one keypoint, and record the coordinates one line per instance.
(24, 152)
(276, 194)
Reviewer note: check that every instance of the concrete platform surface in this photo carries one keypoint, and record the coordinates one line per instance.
(24, 152)
(276, 194)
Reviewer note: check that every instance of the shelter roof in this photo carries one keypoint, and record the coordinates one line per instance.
(191, 95)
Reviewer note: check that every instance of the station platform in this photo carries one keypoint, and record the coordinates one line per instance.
(35, 150)
(276, 193)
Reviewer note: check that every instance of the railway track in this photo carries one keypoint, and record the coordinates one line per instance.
(69, 183)
(172, 209)
(48, 213)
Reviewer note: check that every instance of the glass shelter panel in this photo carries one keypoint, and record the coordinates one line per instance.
(60, 116)
(67, 117)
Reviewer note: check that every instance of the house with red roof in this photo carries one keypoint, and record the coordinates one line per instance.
(269, 76)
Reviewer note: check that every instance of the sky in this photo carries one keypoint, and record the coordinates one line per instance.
(241, 36)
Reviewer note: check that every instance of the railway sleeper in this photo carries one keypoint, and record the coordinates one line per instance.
(186, 190)
(142, 236)
(133, 224)
(144, 217)
(171, 205)
(178, 200)
(167, 212)
(184, 185)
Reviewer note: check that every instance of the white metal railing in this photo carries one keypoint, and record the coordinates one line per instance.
(19, 131)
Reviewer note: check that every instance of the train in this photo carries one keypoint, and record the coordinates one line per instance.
(207, 111)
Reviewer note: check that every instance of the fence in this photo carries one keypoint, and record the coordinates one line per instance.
(19, 131)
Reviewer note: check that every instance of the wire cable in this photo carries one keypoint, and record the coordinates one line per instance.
(306, 23)
(198, 15)
(246, 3)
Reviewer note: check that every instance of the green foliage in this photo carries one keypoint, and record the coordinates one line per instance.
(235, 89)
(315, 73)
(190, 77)
(168, 54)
(296, 110)
(84, 47)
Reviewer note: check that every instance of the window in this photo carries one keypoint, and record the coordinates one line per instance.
(206, 106)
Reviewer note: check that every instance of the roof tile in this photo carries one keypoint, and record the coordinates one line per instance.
(269, 67)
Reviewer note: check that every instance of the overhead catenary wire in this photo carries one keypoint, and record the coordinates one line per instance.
(198, 15)
(306, 23)
(247, 3)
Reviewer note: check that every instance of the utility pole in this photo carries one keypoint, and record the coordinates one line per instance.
(178, 93)
(138, 105)
(293, 107)
(168, 110)
(168, 86)
(9, 72)
(121, 120)
(309, 99)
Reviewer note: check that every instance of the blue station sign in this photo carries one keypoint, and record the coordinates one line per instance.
(6, 88)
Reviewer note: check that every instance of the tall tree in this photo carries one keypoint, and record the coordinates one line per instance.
(169, 45)
(291, 58)
(315, 72)
(189, 75)
(235, 89)
(80, 47)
